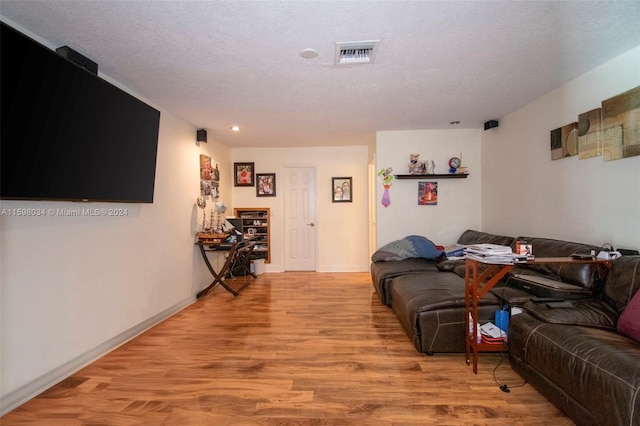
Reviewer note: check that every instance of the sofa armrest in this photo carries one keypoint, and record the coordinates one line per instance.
(448, 265)
(583, 312)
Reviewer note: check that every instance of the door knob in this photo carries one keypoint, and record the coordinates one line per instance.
(311, 224)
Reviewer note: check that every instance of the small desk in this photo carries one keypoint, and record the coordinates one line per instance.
(478, 284)
(238, 254)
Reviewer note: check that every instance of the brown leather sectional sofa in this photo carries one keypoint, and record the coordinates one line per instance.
(427, 296)
(573, 356)
(577, 359)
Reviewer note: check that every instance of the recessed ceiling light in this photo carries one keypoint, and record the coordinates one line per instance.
(309, 53)
(235, 128)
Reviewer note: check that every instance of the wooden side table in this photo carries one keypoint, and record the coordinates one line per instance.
(478, 283)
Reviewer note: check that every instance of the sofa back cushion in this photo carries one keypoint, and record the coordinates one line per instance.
(583, 275)
(622, 282)
(477, 237)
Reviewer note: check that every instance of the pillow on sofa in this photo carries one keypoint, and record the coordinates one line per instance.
(629, 321)
(410, 247)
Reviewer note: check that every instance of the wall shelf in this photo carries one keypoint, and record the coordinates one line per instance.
(258, 219)
(434, 176)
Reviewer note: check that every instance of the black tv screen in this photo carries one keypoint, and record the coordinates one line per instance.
(67, 134)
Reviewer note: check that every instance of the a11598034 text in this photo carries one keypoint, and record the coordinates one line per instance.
(84, 212)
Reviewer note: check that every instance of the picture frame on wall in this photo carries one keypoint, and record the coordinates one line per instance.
(209, 177)
(205, 167)
(341, 189)
(265, 184)
(244, 174)
(427, 193)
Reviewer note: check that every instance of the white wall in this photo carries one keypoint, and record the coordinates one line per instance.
(71, 286)
(342, 228)
(459, 200)
(590, 201)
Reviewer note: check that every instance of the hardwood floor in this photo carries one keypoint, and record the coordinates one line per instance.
(292, 349)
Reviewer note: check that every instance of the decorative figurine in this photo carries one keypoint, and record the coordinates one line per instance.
(417, 167)
(387, 177)
(201, 202)
(220, 208)
(430, 167)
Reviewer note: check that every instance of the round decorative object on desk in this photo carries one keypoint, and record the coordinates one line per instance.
(454, 162)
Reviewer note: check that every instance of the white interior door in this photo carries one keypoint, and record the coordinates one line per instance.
(300, 219)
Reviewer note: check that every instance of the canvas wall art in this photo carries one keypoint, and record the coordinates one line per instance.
(621, 125)
(564, 141)
(590, 134)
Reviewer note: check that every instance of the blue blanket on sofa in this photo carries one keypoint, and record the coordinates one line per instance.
(409, 247)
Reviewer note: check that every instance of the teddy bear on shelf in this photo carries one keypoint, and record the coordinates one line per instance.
(417, 167)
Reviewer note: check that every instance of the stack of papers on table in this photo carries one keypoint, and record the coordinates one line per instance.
(489, 249)
(491, 333)
(492, 253)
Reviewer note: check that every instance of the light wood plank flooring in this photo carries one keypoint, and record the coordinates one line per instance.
(293, 349)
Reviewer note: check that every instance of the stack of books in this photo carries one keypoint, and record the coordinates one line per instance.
(494, 254)
(455, 251)
(492, 334)
(493, 340)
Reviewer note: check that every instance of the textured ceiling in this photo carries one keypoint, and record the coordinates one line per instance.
(220, 63)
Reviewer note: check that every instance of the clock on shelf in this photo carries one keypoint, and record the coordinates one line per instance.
(454, 162)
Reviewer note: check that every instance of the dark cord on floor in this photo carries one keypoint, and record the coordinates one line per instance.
(503, 386)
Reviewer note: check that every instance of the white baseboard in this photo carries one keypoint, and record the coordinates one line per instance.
(343, 268)
(35, 387)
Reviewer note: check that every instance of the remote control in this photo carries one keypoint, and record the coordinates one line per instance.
(546, 299)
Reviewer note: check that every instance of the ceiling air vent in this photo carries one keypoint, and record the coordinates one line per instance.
(356, 52)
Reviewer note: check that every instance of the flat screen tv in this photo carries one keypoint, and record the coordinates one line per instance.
(67, 134)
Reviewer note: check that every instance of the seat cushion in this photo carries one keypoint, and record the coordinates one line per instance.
(383, 273)
(594, 369)
(431, 310)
